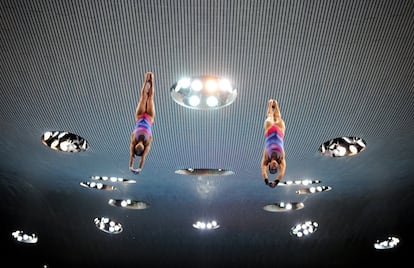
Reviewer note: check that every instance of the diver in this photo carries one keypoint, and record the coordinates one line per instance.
(141, 137)
(274, 154)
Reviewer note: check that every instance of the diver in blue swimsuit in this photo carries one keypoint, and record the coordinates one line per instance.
(141, 137)
(274, 152)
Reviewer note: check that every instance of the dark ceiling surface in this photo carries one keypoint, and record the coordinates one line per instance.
(337, 68)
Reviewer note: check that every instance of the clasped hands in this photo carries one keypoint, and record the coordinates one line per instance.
(135, 171)
(271, 184)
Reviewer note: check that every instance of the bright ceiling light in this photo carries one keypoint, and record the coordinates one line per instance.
(211, 85)
(204, 92)
(225, 85)
(204, 172)
(22, 237)
(304, 229)
(128, 203)
(312, 190)
(112, 179)
(184, 83)
(194, 101)
(64, 141)
(212, 101)
(209, 225)
(342, 146)
(108, 225)
(298, 182)
(390, 242)
(283, 206)
(98, 186)
(197, 85)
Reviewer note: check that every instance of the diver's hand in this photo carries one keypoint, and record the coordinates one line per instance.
(135, 171)
(273, 184)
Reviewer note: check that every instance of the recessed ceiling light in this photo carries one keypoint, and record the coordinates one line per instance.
(20, 236)
(390, 242)
(128, 203)
(97, 185)
(64, 141)
(298, 182)
(313, 190)
(108, 225)
(304, 229)
(206, 225)
(112, 179)
(203, 92)
(342, 146)
(283, 206)
(204, 172)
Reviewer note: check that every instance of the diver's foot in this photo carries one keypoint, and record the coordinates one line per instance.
(274, 104)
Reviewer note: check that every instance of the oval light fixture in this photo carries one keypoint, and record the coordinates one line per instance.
(342, 146)
(304, 229)
(284, 206)
(390, 242)
(313, 190)
(64, 141)
(204, 172)
(108, 225)
(112, 179)
(97, 185)
(22, 237)
(298, 182)
(204, 92)
(128, 203)
(206, 225)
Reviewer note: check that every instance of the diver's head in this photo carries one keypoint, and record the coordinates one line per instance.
(273, 166)
(139, 149)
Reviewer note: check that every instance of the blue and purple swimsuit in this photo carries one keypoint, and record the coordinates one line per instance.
(143, 126)
(274, 141)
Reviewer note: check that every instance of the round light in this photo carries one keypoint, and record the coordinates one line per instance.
(194, 100)
(225, 85)
(184, 83)
(211, 85)
(212, 101)
(197, 85)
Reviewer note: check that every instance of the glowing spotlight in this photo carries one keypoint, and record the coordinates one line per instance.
(390, 242)
(225, 85)
(209, 225)
(304, 229)
(212, 101)
(194, 101)
(184, 83)
(204, 92)
(197, 85)
(211, 85)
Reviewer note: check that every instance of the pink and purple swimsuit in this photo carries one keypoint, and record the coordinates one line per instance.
(274, 141)
(143, 126)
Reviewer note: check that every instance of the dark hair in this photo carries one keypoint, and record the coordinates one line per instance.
(272, 170)
(139, 150)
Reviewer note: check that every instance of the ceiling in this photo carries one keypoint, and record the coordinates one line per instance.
(337, 68)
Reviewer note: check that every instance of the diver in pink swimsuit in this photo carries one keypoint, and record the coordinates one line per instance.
(274, 152)
(141, 136)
